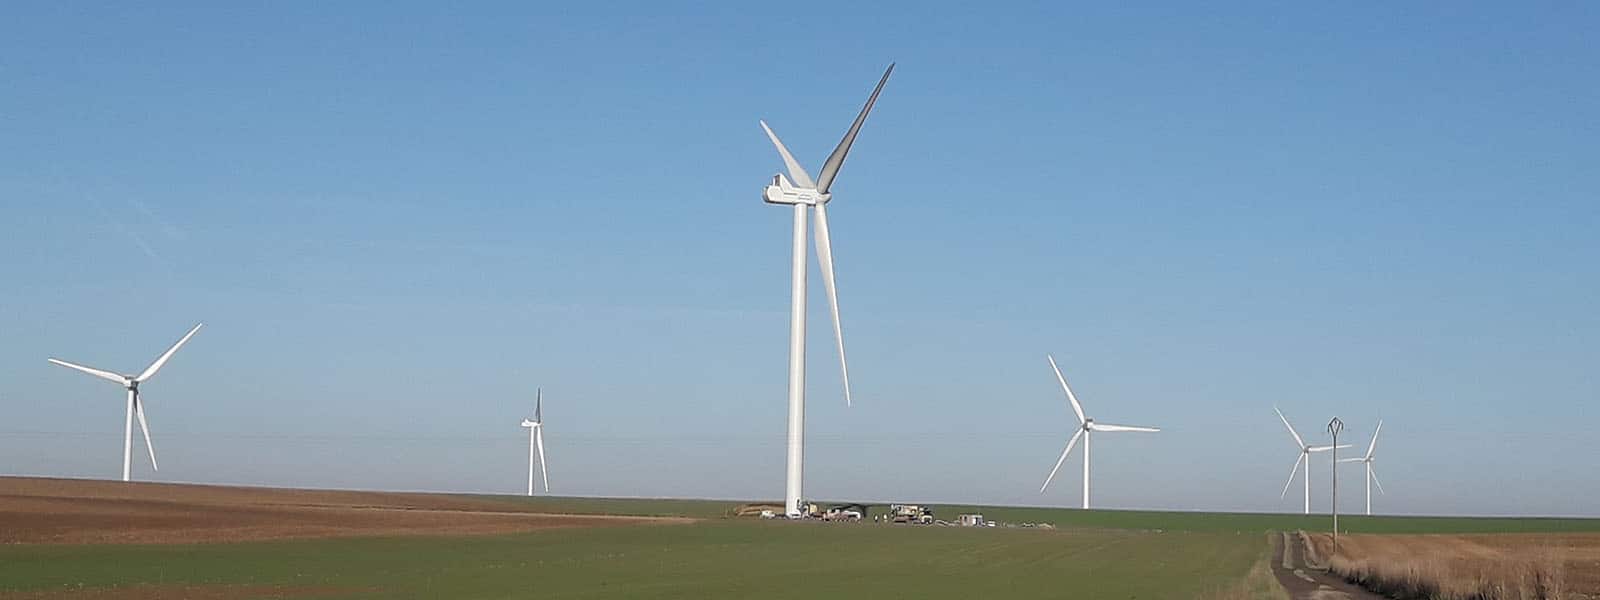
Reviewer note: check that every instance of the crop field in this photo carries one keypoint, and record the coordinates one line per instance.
(1462, 566)
(710, 559)
(90, 539)
(63, 511)
(87, 539)
(1110, 519)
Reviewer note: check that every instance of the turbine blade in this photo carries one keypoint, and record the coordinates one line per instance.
(825, 262)
(1070, 443)
(796, 172)
(156, 366)
(1325, 448)
(544, 472)
(1374, 445)
(107, 375)
(1292, 471)
(144, 426)
(1349, 460)
(538, 405)
(1109, 427)
(1297, 441)
(830, 168)
(1373, 473)
(1076, 408)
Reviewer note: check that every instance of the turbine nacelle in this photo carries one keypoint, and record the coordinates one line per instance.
(783, 191)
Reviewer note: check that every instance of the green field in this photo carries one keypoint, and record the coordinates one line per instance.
(1114, 519)
(1090, 554)
(732, 559)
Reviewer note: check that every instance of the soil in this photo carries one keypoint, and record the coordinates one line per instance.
(72, 511)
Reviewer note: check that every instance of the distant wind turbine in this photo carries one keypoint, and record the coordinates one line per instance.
(799, 190)
(1305, 457)
(135, 403)
(536, 442)
(1085, 427)
(1372, 476)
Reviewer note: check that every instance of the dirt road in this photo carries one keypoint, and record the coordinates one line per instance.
(1302, 581)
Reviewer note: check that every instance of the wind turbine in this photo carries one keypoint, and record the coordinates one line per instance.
(798, 190)
(135, 405)
(1372, 476)
(1305, 457)
(1085, 426)
(536, 442)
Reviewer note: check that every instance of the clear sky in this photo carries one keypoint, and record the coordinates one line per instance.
(398, 220)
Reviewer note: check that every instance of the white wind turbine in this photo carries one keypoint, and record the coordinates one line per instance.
(135, 404)
(1085, 426)
(1372, 476)
(1305, 457)
(536, 442)
(799, 190)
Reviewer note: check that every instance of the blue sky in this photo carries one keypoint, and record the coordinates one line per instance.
(397, 220)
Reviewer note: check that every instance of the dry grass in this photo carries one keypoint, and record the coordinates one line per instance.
(1468, 567)
(1258, 584)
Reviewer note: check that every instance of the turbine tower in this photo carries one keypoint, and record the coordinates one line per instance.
(1085, 426)
(536, 442)
(1305, 457)
(798, 190)
(135, 404)
(1372, 476)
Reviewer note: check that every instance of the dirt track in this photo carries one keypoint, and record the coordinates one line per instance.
(1305, 582)
(70, 511)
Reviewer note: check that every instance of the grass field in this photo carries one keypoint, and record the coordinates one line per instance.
(710, 559)
(1114, 519)
(90, 539)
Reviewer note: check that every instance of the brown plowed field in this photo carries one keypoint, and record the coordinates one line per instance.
(73, 511)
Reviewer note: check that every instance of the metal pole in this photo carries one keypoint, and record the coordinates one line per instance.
(1086, 469)
(793, 495)
(127, 434)
(1334, 427)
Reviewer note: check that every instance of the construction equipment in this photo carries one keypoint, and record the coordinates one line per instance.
(911, 513)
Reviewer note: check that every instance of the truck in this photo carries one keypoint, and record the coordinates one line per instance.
(845, 512)
(915, 514)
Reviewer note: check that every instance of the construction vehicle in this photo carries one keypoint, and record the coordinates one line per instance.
(845, 512)
(911, 513)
